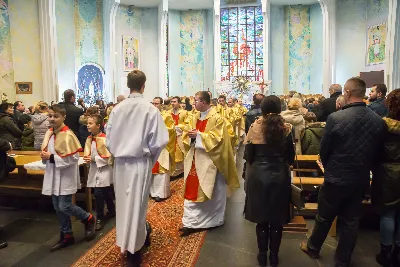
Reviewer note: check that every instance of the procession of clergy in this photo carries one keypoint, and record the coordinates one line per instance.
(144, 145)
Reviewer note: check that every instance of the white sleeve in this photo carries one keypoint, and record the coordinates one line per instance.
(199, 142)
(100, 162)
(109, 132)
(158, 138)
(62, 163)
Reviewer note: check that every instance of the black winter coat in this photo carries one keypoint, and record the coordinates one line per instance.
(379, 107)
(72, 118)
(268, 190)
(251, 117)
(328, 106)
(351, 144)
(4, 147)
(386, 176)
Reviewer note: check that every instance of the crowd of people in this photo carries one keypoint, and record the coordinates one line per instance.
(197, 138)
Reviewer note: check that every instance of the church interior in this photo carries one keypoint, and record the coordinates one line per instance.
(275, 47)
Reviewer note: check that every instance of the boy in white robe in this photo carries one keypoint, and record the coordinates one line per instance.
(136, 135)
(100, 173)
(60, 153)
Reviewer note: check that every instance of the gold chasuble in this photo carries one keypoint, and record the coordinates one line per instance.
(180, 119)
(100, 140)
(201, 166)
(166, 160)
(65, 141)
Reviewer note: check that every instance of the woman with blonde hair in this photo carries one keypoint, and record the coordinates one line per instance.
(40, 123)
(293, 116)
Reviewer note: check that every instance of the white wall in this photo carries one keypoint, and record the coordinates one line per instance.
(352, 21)
(143, 25)
(25, 47)
(65, 45)
(277, 49)
(317, 44)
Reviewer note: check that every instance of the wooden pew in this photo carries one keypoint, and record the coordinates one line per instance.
(32, 180)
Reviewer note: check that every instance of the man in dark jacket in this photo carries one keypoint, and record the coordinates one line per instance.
(254, 112)
(348, 153)
(19, 109)
(73, 112)
(376, 98)
(328, 106)
(4, 147)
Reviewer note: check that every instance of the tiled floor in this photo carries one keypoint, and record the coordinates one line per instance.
(31, 233)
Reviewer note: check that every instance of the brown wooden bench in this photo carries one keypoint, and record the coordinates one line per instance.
(32, 180)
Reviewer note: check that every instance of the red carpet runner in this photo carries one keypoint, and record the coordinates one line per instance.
(167, 247)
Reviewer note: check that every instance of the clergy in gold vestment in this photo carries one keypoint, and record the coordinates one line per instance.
(210, 169)
(160, 186)
(180, 118)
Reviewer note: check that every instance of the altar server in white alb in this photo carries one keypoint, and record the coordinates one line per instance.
(60, 153)
(165, 165)
(136, 135)
(210, 169)
(100, 175)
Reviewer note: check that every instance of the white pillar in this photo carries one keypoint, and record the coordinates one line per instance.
(162, 47)
(266, 11)
(48, 44)
(329, 40)
(110, 9)
(217, 42)
(392, 77)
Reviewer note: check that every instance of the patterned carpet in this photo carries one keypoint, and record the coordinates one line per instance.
(167, 247)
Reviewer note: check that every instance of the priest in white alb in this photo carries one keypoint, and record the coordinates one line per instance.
(209, 168)
(136, 135)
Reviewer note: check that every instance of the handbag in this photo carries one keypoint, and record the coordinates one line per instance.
(298, 194)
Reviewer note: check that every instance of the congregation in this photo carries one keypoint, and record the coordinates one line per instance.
(197, 138)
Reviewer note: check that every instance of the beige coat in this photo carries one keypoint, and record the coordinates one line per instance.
(295, 118)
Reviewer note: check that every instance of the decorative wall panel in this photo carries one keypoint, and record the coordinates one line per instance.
(88, 18)
(297, 48)
(192, 51)
(6, 66)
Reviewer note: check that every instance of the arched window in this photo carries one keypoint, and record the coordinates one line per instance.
(242, 43)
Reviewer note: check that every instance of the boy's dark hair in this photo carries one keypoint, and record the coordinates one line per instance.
(68, 94)
(57, 108)
(136, 80)
(177, 98)
(98, 119)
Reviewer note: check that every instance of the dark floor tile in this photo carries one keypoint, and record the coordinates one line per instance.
(15, 251)
(31, 231)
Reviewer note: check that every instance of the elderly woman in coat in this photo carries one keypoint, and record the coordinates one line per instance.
(386, 185)
(293, 116)
(269, 152)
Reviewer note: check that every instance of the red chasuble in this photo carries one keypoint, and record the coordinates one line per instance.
(176, 118)
(156, 168)
(192, 181)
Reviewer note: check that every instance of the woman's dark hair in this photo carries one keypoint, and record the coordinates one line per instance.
(5, 106)
(273, 124)
(188, 105)
(392, 102)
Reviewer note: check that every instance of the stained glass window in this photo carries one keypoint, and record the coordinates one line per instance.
(242, 43)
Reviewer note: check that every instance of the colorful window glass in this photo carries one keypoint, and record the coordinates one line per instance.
(242, 43)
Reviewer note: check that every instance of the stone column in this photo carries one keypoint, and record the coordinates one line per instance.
(329, 39)
(217, 41)
(266, 10)
(162, 48)
(48, 44)
(392, 75)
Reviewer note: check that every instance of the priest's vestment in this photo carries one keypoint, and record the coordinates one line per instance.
(210, 171)
(165, 165)
(136, 135)
(180, 118)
